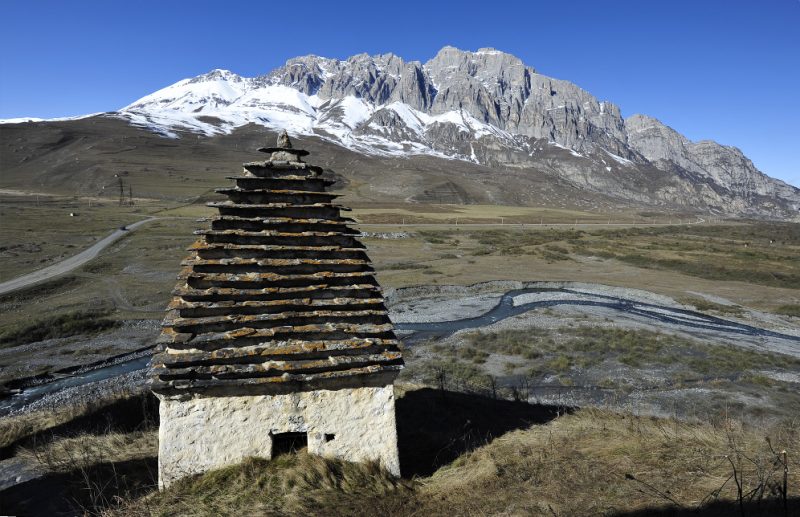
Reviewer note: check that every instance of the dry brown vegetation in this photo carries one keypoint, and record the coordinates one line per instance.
(64, 325)
(25, 426)
(18, 427)
(789, 310)
(752, 264)
(756, 252)
(587, 462)
(592, 462)
(613, 364)
(85, 450)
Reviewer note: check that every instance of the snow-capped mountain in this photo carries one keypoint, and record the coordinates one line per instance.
(485, 107)
(221, 101)
(384, 105)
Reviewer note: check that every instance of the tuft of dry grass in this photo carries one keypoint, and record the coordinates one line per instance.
(86, 450)
(789, 310)
(17, 428)
(701, 304)
(64, 325)
(296, 484)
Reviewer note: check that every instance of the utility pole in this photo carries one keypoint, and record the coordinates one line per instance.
(121, 190)
(130, 195)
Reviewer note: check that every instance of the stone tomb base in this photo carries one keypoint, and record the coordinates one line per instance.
(204, 433)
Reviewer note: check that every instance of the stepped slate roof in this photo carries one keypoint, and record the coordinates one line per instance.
(277, 294)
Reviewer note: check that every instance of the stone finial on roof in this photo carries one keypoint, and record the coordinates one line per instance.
(284, 152)
(283, 140)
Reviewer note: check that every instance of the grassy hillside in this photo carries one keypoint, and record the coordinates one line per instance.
(461, 454)
(88, 157)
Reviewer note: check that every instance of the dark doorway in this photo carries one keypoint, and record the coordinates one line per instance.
(288, 443)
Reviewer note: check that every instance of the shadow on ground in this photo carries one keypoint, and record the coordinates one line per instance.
(435, 426)
(766, 508)
(122, 415)
(84, 490)
(81, 492)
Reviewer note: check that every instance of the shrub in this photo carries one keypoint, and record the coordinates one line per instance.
(69, 324)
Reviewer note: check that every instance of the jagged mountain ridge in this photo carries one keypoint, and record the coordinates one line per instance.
(371, 98)
(486, 107)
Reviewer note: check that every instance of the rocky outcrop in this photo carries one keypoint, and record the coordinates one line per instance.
(494, 87)
(497, 88)
(375, 79)
(723, 167)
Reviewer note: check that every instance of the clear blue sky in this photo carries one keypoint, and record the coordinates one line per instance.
(727, 70)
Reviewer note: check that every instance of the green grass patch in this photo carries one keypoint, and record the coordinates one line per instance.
(789, 310)
(701, 304)
(404, 266)
(557, 351)
(65, 325)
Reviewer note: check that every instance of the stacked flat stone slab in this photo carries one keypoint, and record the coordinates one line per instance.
(278, 328)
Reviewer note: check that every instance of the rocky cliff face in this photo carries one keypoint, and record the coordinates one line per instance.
(489, 86)
(486, 107)
(723, 166)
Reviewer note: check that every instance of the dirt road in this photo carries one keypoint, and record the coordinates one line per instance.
(70, 263)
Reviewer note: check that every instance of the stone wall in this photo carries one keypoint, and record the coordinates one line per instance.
(203, 433)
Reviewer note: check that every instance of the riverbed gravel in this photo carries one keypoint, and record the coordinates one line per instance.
(423, 304)
(128, 383)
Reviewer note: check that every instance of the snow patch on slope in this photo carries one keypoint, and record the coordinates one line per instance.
(220, 101)
(22, 120)
(618, 159)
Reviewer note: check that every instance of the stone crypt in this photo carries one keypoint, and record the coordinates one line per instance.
(277, 337)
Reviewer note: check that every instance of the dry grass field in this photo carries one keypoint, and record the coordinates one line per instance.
(37, 230)
(752, 264)
(128, 285)
(470, 441)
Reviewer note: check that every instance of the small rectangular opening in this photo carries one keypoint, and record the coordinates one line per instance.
(288, 443)
(329, 437)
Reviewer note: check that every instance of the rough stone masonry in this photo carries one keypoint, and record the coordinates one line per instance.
(277, 337)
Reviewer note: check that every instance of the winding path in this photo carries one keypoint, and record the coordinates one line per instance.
(70, 263)
(664, 314)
